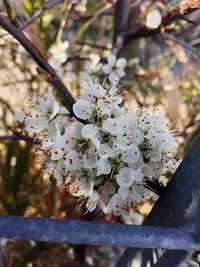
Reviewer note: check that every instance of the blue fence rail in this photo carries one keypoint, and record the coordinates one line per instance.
(94, 233)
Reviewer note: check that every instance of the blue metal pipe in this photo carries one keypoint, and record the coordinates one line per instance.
(93, 233)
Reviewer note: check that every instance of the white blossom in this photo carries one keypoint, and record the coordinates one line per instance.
(108, 158)
(153, 19)
(114, 68)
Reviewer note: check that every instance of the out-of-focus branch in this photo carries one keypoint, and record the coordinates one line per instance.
(182, 43)
(90, 21)
(178, 13)
(11, 12)
(124, 13)
(20, 137)
(97, 46)
(46, 7)
(122, 9)
(41, 61)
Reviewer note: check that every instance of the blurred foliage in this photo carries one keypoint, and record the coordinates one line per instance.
(156, 77)
(14, 168)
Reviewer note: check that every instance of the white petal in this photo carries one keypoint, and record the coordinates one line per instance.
(120, 73)
(92, 200)
(132, 154)
(168, 142)
(96, 141)
(123, 193)
(159, 121)
(55, 110)
(49, 95)
(106, 69)
(153, 137)
(89, 131)
(19, 116)
(111, 60)
(72, 162)
(63, 110)
(138, 175)
(125, 178)
(105, 151)
(82, 109)
(138, 137)
(42, 103)
(113, 77)
(153, 19)
(95, 89)
(94, 195)
(74, 130)
(113, 126)
(103, 167)
(90, 160)
(121, 63)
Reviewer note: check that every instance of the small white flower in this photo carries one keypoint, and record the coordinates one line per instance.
(95, 89)
(82, 186)
(126, 177)
(153, 19)
(132, 154)
(114, 68)
(43, 113)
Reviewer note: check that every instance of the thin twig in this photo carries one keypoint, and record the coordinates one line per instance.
(38, 14)
(46, 7)
(89, 22)
(20, 137)
(66, 12)
(98, 46)
(41, 61)
(129, 35)
(182, 43)
(11, 12)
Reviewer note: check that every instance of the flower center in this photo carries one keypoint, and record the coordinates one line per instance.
(81, 145)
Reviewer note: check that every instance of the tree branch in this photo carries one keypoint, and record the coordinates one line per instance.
(172, 16)
(177, 13)
(20, 137)
(38, 14)
(41, 61)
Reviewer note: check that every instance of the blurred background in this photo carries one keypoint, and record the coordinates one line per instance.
(163, 72)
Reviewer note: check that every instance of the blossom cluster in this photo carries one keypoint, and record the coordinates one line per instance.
(113, 68)
(107, 154)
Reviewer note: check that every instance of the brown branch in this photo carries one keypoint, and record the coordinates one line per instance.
(97, 46)
(177, 13)
(41, 61)
(122, 11)
(20, 137)
(11, 12)
(185, 45)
